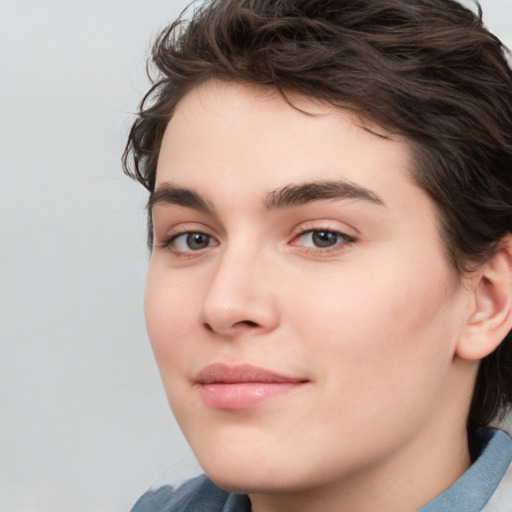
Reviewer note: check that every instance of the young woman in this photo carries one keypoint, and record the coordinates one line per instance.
(330, 290)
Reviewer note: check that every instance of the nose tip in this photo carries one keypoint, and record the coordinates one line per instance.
(242, 317)
(238, 302)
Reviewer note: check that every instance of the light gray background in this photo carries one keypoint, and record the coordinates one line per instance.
(84, 422)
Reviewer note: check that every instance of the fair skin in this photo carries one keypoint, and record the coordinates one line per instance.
(345, 295)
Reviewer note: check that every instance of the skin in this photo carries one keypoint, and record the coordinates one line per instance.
(370, 324)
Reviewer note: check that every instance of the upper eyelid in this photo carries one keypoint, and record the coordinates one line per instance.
(179, 228)
(178, 235)
(329, 230)
(325, 225)
(173, 235)
(343, 234)
(167, 223)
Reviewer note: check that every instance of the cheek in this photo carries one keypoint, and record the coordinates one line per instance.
(384, 333)
(170, 308)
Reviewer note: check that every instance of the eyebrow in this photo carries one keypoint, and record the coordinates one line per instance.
(296, 195)
(180, 196)
(286, 197)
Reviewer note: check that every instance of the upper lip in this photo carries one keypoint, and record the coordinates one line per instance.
(220, 373)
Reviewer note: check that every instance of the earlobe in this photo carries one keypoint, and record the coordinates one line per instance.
(491, 317)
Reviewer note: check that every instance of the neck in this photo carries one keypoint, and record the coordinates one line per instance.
(423, 469)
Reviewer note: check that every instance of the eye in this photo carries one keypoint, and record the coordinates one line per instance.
(322, 239)
(191, 241)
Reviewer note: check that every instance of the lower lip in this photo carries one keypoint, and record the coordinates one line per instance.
(243, 395)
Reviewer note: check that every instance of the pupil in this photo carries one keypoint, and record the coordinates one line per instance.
(324, 238)
(197, 241)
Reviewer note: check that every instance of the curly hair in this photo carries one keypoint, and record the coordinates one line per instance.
(427, 70)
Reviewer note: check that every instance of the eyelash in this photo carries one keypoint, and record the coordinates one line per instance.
(343, 242)
(170, 243)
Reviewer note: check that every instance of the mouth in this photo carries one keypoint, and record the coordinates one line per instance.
(242, 386)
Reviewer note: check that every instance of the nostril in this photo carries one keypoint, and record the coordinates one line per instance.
(236, 327)
(249, 323)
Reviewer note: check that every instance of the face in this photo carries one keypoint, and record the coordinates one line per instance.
(302, 313)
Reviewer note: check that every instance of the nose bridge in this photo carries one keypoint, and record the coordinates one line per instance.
(238, 296)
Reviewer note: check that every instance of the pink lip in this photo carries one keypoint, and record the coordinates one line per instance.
(242, 386)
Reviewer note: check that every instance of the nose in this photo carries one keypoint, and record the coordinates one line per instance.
(239, 298)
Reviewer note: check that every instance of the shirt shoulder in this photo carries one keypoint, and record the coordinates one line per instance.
(485, 485)
(197, 495)
(501, 500)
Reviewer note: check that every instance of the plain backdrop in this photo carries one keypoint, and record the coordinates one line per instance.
(85, 425)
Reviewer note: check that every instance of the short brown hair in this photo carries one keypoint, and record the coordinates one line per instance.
(425, 69)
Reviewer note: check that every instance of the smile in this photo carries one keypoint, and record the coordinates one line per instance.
(243, 386)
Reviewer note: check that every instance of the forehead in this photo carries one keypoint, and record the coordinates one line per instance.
(244, 133)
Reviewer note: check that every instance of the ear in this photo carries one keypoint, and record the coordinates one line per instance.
(491, 316)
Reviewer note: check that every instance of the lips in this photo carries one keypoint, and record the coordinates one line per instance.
(242, 386)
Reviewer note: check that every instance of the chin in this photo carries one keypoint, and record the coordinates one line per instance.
(254, 471)
(251, 482)
(243, 475)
